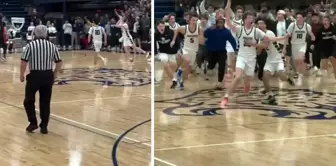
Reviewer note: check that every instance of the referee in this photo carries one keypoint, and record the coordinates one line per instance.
(39, 55)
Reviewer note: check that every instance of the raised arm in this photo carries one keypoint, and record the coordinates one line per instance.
(228, 20)
(201, 36)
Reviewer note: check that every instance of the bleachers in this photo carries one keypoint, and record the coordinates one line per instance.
(14, 8)
(163, 7)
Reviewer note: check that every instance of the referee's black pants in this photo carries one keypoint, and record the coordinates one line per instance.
(219, 57)
(261, 61)
(41, 81)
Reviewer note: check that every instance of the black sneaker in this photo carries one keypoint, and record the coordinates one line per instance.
(44, 130)
(174, 84)
(31, 127)
(270, 101)
(290, 81)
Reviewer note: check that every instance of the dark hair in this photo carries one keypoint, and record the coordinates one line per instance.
(261, 19)
(300, 13)
(239, 7)
(315, 14)
(193, 14)
(248, 13)
(160, 22)
(171, 14)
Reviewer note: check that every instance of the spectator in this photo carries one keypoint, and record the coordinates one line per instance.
(67, 27)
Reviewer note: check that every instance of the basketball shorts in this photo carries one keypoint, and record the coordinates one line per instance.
(299, 48)
(229, 48)
(97, 45)
(274, 67)
(190, 55)
(247, 66)
(166, 58)
(127, 42)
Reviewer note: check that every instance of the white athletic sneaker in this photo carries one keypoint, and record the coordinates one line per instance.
(299, 80)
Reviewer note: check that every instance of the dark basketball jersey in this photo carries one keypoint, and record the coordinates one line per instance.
(163, 42)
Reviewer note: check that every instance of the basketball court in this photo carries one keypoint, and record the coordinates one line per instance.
(192, 130)
(99, 116)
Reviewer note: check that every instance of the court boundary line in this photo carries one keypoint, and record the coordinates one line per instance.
(120, 138)
(81, 100)
(164, 162)
(82, 126)
(247, 142)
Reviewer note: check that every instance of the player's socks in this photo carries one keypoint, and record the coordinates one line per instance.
(179, 75)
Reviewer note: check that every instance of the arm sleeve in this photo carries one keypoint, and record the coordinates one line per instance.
(57, 57)
(26, 54)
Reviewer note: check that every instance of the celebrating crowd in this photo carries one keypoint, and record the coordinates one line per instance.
(249, 41)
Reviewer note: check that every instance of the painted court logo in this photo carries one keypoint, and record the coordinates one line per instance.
(104, 76)
(292, 103)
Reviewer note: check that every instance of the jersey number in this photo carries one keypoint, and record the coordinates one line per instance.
(299, 36)
(97, 32)
(192, 40)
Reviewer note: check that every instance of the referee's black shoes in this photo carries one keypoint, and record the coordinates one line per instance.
(32, 127)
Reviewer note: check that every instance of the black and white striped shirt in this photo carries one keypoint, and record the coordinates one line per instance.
(40, 55)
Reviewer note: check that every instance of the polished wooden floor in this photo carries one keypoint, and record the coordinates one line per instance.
(192, 130)
(90, 110)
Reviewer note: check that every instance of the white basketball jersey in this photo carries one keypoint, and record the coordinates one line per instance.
(237, 22)
(125, 32)
(30, 31)
(97, 33)
(273, 54)
(299, 35)
(174, 27)
(191, 40)
(244, 35)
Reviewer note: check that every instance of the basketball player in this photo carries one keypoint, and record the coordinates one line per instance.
(126, 38)
(274, 63)
(30, 31)
(52, 32)
(248, 36)
(298, 31)
(97, 32)
(325, 45)
(167, 54)
(193, 36)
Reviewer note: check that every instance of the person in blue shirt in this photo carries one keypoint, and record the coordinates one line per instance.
(217, 36)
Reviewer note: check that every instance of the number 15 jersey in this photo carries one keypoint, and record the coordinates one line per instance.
(191, 41)
(97, 33)
(299, 34)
